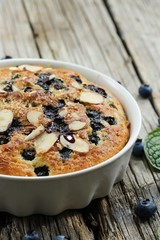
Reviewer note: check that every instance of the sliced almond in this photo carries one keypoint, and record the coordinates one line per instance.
(48, 69)
(76, 85)
(33, 117)
(91, 97)
(36, 132)
(76, 125)
(75, 115)
(63, 113)
(15, 88)
(6, 118)
(52, 76)
(13, 68)
(30, 68)
(70, 103)
(45, 141)
(79, 145)
(2, 91)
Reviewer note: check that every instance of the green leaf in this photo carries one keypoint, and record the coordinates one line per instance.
(152, 148)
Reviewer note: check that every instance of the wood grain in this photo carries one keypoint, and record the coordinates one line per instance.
(97, 35)
(141, 36)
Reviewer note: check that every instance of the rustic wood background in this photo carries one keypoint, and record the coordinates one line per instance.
(120, 38)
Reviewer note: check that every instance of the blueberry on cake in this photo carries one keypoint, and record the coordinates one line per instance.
(54, 121)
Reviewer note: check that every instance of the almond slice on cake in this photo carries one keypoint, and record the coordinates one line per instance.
(30, 68)
(74, 143)
(36, 132)
(33, 117)
(45, 141)
(76, 125)
(6, 118)
(91, 97)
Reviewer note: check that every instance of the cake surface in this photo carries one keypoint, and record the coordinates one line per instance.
(54, 121)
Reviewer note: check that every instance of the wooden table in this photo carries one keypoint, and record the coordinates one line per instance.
(120, 38)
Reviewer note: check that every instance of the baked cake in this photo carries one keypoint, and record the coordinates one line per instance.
(54, 121)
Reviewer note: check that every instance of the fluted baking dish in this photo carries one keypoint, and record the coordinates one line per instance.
(51, 195)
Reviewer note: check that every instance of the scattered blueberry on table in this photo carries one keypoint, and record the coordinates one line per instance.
(138, 149)
(6, 57)
(145, 209)
(145, 91)
(31, 235)
(60, 237)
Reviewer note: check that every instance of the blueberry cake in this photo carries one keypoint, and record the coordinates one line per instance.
(54, 121)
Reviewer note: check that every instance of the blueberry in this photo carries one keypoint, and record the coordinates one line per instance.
(8, 88)
(61, 103)
(14, 76)
(15, 126)
(145, 91)
(112, 105)
(93, 114)
(43, 85)
(77, 78)
(6, 57)
(50, 111)
(138, 148)
(145, 209)
(97, 89)
(41, 171)
(4, 139)
(95, 119)
(110, 120)
(65, 153)
(27, 89)
(96, 125)
(60, 237)
(29, 154)
(44, 77)
(119, 82)
(44, 82)
(58, 124)
(31, 235)
(94, 138)
(58, 84)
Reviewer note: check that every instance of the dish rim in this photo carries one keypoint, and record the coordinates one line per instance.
(131, 140)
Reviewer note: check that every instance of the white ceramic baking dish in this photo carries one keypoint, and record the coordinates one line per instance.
(51, 195)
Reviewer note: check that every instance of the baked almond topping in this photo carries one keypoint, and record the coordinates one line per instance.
(57, 120)
(13, 68)
(76, 85)
(79, 145)
(15, 88)
(36, 132)
(91, 97)
(30, 68)
(6, 118)
(76, 125)
(52, 76)
(45, 141)
(63, 113)
(33, 117)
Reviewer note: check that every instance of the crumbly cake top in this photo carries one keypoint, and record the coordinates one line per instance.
(54, 121)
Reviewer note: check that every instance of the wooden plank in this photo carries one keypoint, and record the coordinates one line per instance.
(138, 24)
(82, 31)
(16, 35)
(76, 44)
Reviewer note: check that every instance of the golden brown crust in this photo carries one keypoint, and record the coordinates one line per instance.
(96, 119)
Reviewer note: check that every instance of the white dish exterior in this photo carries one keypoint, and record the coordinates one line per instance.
(52, 195)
